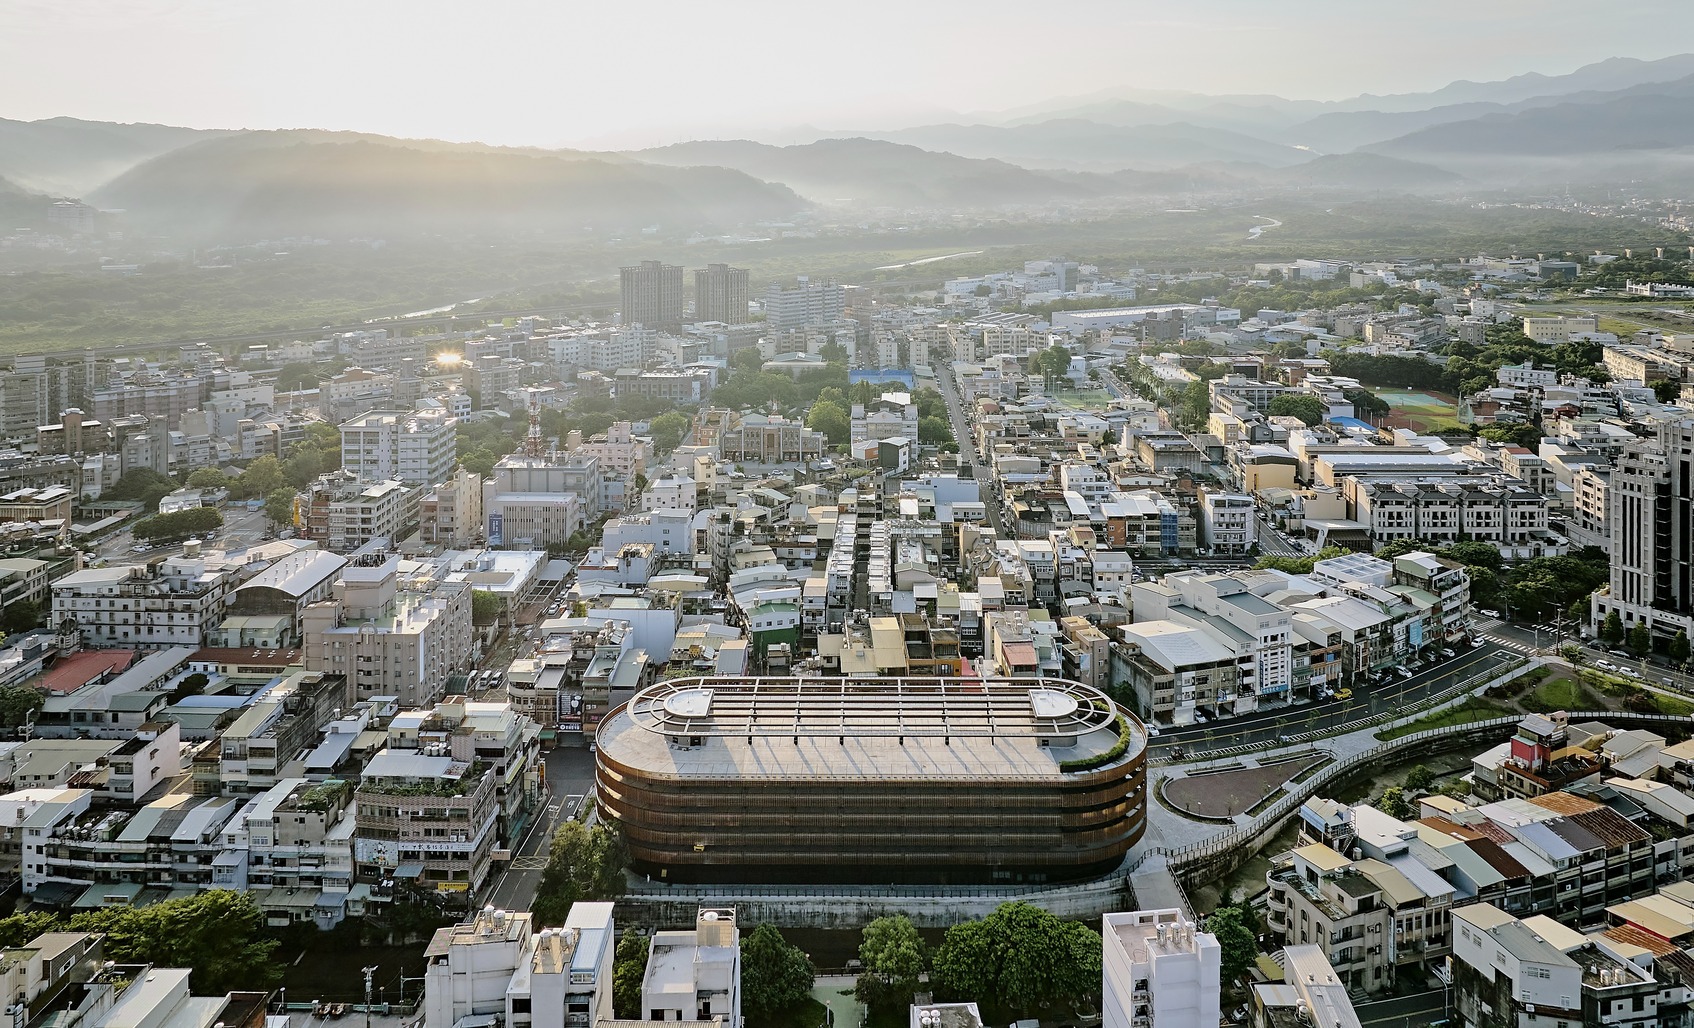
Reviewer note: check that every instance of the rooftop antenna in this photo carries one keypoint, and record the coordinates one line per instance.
(532, 442)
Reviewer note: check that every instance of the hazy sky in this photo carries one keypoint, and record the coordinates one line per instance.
(635, 72)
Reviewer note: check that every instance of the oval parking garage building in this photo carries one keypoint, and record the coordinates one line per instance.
(884, 780)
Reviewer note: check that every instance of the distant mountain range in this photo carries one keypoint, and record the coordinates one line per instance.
(873, 172)
(1082, 144)
(260, 184)
(1616, 117)
(69, 157)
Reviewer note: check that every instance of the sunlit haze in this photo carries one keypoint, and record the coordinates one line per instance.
(536, 72)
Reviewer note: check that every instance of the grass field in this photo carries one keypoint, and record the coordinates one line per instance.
(1473, 709)
(1420, 412)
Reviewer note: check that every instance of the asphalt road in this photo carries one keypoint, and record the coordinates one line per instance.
(1271, 725)
(241, 527)
(968, 451)
(1406, 1011)
(570, 779)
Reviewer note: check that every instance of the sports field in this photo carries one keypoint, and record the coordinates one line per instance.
(1083, 400)
(1420, 412)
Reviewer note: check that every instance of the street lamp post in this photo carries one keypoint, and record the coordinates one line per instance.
(369, 971)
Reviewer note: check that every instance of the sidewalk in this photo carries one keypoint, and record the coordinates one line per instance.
(835, 991)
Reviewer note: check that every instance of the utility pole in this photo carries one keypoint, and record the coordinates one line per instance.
(368, 972)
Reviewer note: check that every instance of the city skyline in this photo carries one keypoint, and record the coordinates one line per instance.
(380, 67)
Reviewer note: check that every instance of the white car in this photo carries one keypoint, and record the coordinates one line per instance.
(1152, 730)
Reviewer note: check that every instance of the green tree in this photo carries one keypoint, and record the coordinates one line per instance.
(1308, 409)
(668, 430)
(1419, 779)
(1052, 364)
(775, 975)
(217, 934)
(304, 464)
(832, 420)
(262, 478)
(1679, 647)
(279, 506)
(629, 969)
(485, 607)
(1193, 405)
(21, 616)
(1238, 948)
(191, 685)
(894, 959)
(142, 485)
(1400, 547)
(479, 461)
(178, 524)
(19, 929)
(1020, 958)
(1395, 805)
(582, 864)
(1611, 629)
(1366, 403)
(208, 478)
(293, 377)
(934, 431)
(1474, 554)
(18, 704)
(833, 352)
(1300, 565)
(1640, 639)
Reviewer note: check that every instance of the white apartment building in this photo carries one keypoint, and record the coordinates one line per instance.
(1310, 990)
(670, 532)
(1158, 968)
(1257, 631)
(671, 492)
(105, 856)
(805, 303)
(1495, 509)
(888, 416)
(1508, 966)
(297, 835)
(1229, 522)
(342, 512)
(695, 975)
(136, 607)
(415, 447)
(496, 966)
(390, 638)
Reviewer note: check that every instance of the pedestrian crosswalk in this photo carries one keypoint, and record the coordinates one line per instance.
(1516, 645)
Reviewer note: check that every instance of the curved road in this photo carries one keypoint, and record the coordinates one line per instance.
(1268, 726)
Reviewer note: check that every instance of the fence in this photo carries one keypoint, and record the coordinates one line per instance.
(1503, 672)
